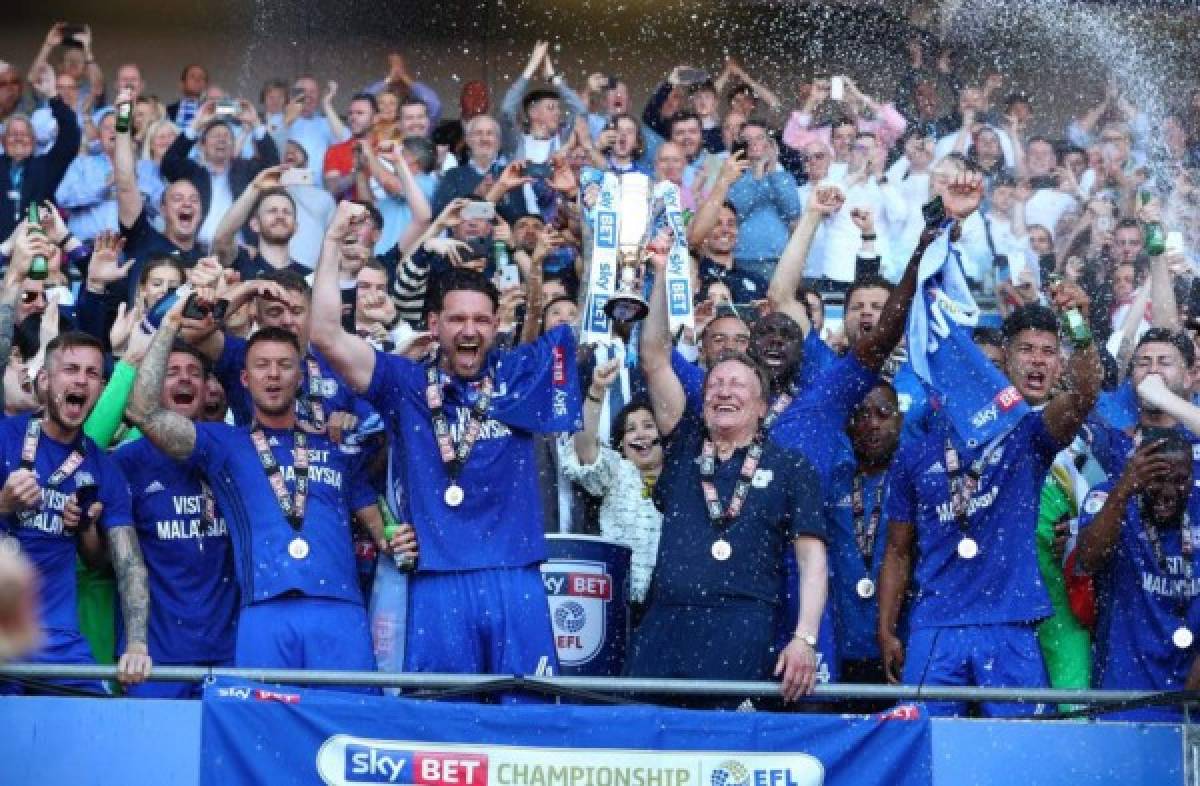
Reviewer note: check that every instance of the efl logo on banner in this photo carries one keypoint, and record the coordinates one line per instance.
(577, 592)
(344, 760)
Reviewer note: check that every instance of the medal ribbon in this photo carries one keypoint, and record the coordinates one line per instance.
(33, 433)
(315, 394)
(963, 485)
(454, 457)
(1187, 538)
(866, 528)
(722, 520)
(293, 507)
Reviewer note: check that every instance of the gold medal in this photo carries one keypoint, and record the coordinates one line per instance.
(1182, 637)
(968, 548)
(865, 588)
(298, 548)
(721, 550)
(454, 495)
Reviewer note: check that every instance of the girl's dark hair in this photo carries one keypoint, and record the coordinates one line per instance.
(616, 434)
(161, 260)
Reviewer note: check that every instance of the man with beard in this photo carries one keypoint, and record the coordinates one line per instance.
(286, 495)
(962, 520)
(1168, 355)
(272, 217)
(184, 542)
(1138, 537)
(461, 431)
(51, 471)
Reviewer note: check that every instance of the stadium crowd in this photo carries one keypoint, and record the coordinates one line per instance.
(254, 347)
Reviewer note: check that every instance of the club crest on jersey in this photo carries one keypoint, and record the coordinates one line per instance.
(762, 478)
(1094, 502)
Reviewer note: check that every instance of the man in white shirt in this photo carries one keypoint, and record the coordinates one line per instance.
(306, 126)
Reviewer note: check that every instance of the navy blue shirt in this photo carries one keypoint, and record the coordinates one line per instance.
(856, 619)
(744, 285)
(189, 559)
(784, 503)
(143, 241)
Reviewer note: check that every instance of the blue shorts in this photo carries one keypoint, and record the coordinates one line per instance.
(491, 621)
(59, 647)
(988, 656)
(305, 633)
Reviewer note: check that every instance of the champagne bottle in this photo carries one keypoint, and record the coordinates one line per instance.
(39, 267)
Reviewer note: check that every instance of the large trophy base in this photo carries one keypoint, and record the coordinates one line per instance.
(626, 308)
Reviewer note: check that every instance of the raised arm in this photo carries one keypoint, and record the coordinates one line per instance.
(336, 126)
(1066, 412)
(710, 209)
(789, 272)
(587, 443)
(1163, 307)
(129, 196)
(224, 243)
(962, 198)
(350, 355)
(666, 392)
(1098, 540)
(170, 432)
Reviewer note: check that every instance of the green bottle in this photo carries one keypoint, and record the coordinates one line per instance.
(1156, 239)
(390, 528)
(39, 268)
(1074, 323)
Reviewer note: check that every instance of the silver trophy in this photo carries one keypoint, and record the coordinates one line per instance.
(627, 304)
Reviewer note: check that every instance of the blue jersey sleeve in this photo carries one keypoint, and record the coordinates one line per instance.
(841, 387)
(537, 385)
(212, 442)
(901, 495)
(114, 493)
(1093, 503)
(393, 378)
(691, 377)
(359, 491)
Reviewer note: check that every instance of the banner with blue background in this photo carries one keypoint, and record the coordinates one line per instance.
(268, 736)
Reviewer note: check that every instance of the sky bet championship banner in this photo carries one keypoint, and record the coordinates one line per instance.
(253, 735)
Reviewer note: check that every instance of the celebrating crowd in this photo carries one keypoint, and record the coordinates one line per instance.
(256, 348)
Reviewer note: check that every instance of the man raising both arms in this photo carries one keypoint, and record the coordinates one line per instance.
(461, 436)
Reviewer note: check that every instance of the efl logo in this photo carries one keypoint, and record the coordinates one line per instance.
(376, 764)
(1008, 398)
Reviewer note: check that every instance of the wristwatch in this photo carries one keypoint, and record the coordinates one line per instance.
(807, 638)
